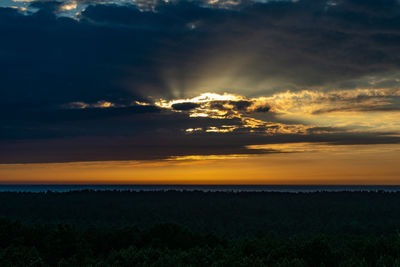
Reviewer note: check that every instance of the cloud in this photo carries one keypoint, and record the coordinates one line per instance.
(184, 48)
(74, 71)
(302, 103)
(318, 102)
(153, 146)
(185, 106)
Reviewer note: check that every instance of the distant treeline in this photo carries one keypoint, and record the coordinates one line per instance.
(232, 214)
(113, 228)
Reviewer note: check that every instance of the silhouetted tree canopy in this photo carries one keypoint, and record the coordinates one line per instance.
(199, 229)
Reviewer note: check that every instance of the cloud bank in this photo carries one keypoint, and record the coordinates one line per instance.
(106, 80)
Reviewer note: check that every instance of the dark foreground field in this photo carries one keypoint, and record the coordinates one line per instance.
(199, 229)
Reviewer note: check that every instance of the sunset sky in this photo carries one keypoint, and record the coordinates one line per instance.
(200, 92)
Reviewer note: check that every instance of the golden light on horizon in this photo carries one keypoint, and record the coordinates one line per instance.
(301, 164)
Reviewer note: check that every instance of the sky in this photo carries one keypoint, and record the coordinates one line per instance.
(200, 92)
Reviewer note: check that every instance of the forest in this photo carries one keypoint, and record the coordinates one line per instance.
(118, 228)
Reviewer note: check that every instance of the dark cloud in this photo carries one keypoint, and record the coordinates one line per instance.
(155, 146)
(262, 109)
(124, 54)
(241, 105)
(185, 106)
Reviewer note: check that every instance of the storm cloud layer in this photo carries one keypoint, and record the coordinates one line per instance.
(120, 80)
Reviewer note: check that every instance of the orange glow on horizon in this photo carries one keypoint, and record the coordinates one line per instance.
(368, 164)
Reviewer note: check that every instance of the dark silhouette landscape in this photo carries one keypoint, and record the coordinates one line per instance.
(175, 228)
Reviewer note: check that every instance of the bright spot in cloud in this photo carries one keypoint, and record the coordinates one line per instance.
(69, 6)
